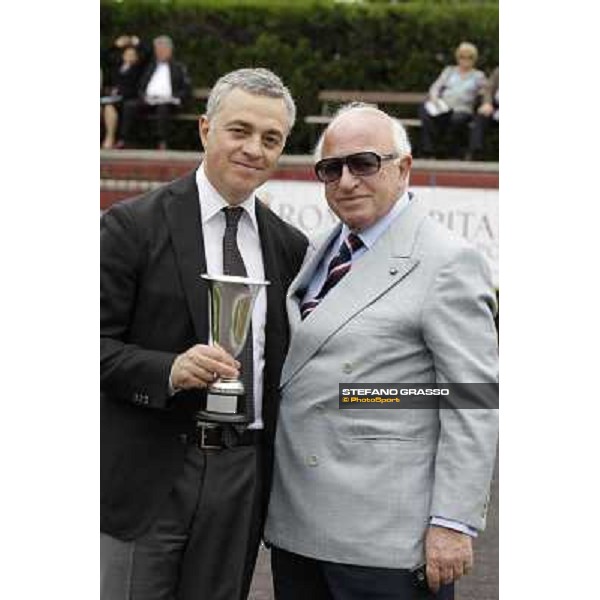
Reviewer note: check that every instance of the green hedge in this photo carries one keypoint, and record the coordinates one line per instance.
(312, 45)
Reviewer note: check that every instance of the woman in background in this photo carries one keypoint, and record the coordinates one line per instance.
(449, 107)
(122, 85)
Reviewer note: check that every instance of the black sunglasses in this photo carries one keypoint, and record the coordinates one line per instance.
(329, 170)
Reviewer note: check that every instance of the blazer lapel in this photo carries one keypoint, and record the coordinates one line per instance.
(184, 221)
(382, 267)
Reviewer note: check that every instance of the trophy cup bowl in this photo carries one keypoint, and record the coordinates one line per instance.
(231, 301)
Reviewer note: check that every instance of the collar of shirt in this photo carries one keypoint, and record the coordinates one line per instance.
(370, 235)
(211, 202)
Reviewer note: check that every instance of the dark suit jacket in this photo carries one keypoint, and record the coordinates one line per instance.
(154, 305)
(127, 83)
(180, 81)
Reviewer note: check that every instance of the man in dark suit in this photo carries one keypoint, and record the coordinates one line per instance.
(183, 500)
(163, 87)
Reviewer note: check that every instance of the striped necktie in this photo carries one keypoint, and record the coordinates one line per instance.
(338, 267)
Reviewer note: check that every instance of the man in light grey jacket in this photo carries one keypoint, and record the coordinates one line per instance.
(377, 503)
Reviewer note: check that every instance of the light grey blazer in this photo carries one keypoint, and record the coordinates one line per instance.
(359, 486)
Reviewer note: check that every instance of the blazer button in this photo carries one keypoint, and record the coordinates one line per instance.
(312, 461)
(183, 438)
(347, 368)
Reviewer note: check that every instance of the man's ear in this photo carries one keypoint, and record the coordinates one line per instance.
(203, 129)
(405, 165)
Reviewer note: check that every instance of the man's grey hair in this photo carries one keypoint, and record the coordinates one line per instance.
(259, 81)
(399, 135)
(163, 39)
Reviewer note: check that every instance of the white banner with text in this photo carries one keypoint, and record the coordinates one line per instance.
(470, 212)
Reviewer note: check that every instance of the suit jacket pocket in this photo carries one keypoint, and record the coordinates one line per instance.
(387, 425)
(383, 439)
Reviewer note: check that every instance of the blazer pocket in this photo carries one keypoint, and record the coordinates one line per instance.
(383, 439)
(379, 426)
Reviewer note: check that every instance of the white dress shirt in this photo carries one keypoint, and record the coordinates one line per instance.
(213, 228)
(159, 85)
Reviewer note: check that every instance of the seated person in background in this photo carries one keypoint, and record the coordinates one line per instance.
(112, 57)
(163, 87)
(121, 85)
(488, 113)
(449, 106)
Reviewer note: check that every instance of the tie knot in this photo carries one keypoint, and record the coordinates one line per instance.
(233, 215)
(354, 242)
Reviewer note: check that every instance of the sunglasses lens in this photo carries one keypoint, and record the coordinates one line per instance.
(363, 163)
(329, 169)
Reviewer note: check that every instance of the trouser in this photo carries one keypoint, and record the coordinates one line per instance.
(204, 543)
(480, 125)
(134, 109)
(297, 577)
(454, 123)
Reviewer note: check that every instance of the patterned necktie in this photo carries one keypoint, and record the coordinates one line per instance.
(338, 267)
(233, 264)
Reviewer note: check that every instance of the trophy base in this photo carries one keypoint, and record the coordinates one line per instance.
(224, 402)
(217, 417)
(227, 387)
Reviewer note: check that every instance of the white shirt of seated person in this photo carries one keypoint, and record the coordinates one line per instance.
(159, 86)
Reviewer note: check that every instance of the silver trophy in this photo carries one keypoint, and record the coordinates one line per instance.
(231, 301)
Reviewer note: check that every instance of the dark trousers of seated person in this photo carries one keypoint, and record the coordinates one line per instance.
(134, 110)
(203, 544)
(453, 124)
(477, 135)
(297, 577)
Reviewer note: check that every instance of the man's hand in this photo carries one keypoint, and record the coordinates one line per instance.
(449, 556)
(486, 109)
(201, 365)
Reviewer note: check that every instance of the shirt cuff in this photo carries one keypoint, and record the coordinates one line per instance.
(452, 524)
(171, 390)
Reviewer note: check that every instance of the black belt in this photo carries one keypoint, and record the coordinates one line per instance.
(211, 436)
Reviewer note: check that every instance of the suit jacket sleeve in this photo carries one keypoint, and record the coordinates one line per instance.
(145, 79)
(127, 371)
(181, 83)
(459, 330)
